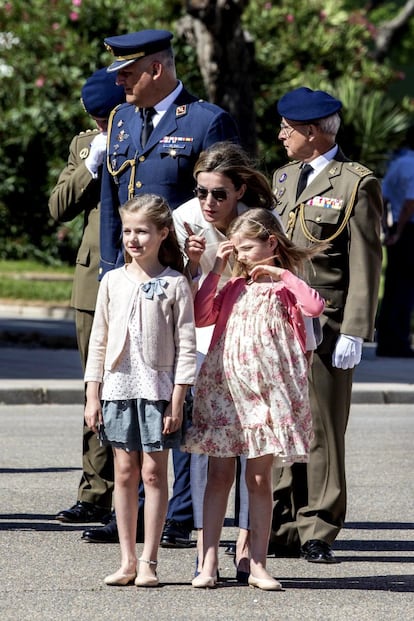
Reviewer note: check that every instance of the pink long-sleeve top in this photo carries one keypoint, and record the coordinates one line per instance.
(298, 297)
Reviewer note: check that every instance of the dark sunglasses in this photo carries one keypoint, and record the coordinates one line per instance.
(218, 195)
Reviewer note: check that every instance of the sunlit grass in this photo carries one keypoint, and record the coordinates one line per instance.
(30, 281)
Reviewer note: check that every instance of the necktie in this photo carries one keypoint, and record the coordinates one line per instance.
(303, 178)
(147, 124)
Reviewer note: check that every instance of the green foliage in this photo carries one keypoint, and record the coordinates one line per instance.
(323, 45)
(373, 124)
(49, 47)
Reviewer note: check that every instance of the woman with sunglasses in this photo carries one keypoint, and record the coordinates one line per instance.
(227, 184)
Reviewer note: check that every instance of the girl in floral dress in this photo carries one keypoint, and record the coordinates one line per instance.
(251, 393)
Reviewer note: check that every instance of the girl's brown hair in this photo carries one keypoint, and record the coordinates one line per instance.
(158, 212)
(261, 224)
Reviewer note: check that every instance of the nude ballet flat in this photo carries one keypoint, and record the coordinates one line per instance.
(147, 581)
(199, 582)
(119, 579)
(266, 584)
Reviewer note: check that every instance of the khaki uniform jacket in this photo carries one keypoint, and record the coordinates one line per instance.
(347, 274)
(77, 192)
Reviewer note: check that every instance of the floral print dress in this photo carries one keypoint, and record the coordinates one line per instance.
(251, 394)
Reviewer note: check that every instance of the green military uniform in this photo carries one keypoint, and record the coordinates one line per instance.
(343, 205)
(76, 192)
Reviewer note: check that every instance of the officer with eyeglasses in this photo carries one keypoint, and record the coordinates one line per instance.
(154, 140)
(323, 196)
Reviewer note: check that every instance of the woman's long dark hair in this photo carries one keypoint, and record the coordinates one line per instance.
(231, 160)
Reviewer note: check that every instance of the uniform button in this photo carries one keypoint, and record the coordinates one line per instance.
(141, 158)
(138, 184)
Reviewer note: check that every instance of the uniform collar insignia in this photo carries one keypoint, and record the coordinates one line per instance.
(181, 110)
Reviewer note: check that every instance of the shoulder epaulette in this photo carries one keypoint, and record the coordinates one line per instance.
(290, 163)
(88, 131)
(358, 169)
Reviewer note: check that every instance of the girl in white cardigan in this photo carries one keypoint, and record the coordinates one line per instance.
(142, 358)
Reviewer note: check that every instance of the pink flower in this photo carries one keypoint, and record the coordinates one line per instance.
(290, 18)
(55, 26)
(40, 82)
(267, 6)
(76, 2)
(8, 7)
(73, 16)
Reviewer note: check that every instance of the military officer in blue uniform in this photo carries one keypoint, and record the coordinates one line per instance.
(183, 126)
(154, 141)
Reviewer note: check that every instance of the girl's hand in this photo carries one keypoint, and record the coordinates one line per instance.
(173, 419)
(224, 250)
(93, 414)
(266, 270)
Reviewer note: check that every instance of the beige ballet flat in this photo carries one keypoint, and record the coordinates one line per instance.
(147, 581)
(200, 582)
(266, 584)
(120, 579)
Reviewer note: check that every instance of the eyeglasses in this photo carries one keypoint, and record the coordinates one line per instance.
(288, 130)
(218, 195)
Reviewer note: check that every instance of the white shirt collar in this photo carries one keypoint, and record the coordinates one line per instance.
(320, 162)
(162, 106)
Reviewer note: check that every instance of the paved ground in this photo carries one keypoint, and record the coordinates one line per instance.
(48, 573)
(39, 364)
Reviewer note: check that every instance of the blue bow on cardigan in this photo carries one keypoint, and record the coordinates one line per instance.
(152, 287)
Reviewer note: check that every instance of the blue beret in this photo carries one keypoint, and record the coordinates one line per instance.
(131, 47)
(303, 104)
(100, 94)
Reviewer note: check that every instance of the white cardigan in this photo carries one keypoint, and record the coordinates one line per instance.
(168, 326)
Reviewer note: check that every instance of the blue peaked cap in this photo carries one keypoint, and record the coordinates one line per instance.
(130, 47)
(100, 94)
(304, 104)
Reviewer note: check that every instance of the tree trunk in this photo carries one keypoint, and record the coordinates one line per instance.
(226, 59)
(388, 30)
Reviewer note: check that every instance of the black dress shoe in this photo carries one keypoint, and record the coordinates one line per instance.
(84, 512)
(108, 534)
(317, 551)
(280, 550)
(175, 535)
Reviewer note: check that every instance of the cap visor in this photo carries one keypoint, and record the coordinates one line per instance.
(120, 64)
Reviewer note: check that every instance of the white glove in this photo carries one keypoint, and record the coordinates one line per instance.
(96, 154)
(348, 351)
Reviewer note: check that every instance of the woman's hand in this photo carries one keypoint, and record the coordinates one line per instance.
(194, 247)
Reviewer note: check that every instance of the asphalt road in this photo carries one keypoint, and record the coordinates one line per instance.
(47, 573)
